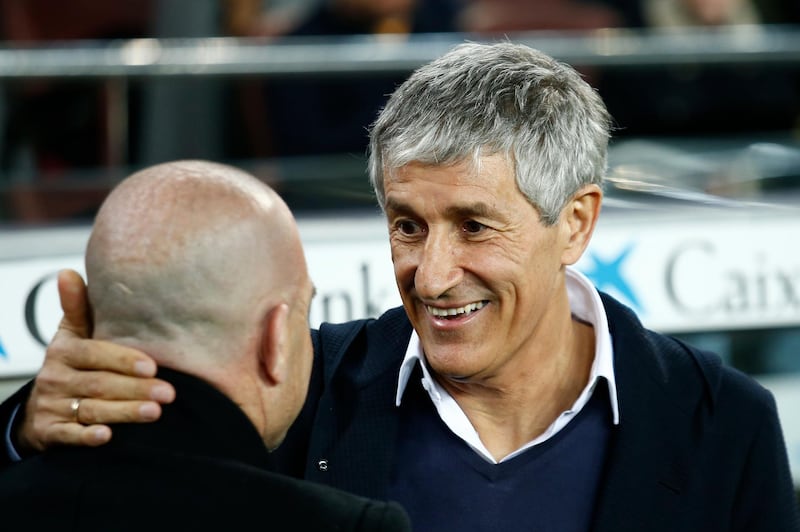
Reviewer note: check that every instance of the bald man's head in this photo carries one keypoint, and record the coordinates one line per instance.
(200, 265)
(184, 255)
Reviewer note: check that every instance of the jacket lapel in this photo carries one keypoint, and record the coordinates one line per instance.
(650, 459)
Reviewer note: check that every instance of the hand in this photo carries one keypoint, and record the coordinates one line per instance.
(114, 384)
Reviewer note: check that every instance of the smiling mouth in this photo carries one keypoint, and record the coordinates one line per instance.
(457, 312)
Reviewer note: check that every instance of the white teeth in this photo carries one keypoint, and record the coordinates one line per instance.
(466, 309)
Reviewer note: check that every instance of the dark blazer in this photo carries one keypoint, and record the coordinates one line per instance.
(202, 466)
(699, 446)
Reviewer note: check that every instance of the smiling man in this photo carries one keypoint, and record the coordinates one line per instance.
(483, 285)
(507, 393)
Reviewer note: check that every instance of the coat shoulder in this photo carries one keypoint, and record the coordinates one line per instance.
(682, 370)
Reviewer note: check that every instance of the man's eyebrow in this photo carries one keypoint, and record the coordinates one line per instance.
(397, 207)
(476, 209)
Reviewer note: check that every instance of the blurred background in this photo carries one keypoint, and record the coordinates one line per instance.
(699, 233)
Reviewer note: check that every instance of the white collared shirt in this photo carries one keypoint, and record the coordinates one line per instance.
(585, 304)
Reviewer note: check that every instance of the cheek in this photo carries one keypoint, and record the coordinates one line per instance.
(503, 259)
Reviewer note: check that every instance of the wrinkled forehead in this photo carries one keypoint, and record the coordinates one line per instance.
(490, 176)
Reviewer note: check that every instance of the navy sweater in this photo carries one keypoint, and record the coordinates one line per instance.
(446, 485)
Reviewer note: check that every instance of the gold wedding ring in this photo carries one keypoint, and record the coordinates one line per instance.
(75, 406)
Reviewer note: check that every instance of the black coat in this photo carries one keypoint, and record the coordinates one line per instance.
(699, 447)
(202, 466)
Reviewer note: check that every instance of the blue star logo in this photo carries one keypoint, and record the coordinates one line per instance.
(3, 353)
(607, 275)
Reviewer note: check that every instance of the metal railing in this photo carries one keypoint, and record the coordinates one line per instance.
(362, 54)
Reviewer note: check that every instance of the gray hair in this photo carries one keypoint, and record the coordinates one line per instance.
(501, 98)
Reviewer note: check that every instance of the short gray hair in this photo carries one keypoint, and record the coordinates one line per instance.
(500, 98)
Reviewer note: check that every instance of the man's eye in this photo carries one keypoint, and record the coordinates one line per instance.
(471, 226)
(407, 227)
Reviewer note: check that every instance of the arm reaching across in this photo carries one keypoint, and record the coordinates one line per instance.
(114, 384)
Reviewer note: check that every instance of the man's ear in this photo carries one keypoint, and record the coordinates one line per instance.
(580, 217)
(274, 337)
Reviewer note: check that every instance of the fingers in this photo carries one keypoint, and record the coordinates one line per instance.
(74, 303)
(82, 431)
(78, 368)
(98, 380)
(105, 398)
(75, 434)
(97, 355)
(115, 384)
(100, 411)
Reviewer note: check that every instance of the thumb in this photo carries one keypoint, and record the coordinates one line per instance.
(74, 303)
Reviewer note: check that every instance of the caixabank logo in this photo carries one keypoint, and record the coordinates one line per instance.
(681, 281)
(3, 353)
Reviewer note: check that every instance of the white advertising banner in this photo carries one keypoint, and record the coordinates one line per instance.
(678, 277)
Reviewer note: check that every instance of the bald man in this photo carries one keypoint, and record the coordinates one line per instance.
(200, 265)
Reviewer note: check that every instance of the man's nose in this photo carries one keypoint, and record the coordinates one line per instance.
(438, 270)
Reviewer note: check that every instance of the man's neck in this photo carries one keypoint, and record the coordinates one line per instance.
(509, 412)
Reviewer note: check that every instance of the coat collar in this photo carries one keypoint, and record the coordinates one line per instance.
(201, 421)
(650, 461)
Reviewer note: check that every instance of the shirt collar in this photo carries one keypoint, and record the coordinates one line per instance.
(585, 304)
